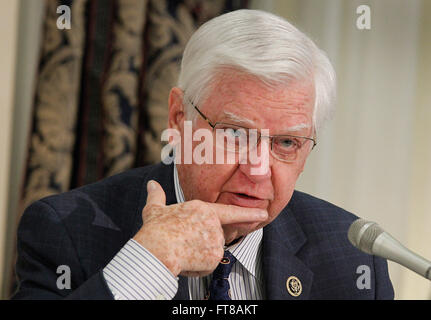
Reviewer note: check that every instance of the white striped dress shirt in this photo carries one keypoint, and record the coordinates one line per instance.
(134, 273)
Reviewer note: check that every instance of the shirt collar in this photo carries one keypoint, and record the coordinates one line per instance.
(246, 250)
(178, 190)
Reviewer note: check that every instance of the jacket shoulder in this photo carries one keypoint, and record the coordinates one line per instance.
(325, 225)
(318, 215)
(122, 183)
(108, 195)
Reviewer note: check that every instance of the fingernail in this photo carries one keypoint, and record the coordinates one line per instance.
(151, 185)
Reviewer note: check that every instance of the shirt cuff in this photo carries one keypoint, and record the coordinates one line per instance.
(136, 274)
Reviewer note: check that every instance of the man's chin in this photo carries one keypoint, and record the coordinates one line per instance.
(237, 230)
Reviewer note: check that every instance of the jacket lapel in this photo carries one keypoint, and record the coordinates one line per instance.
(282, 239)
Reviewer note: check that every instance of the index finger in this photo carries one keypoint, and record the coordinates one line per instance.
(229, 214)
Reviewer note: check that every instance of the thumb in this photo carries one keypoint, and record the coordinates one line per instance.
(155, 194)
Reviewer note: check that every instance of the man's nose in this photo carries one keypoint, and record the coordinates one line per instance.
(258, 162)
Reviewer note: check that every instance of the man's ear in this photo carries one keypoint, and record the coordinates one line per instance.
(176, 109)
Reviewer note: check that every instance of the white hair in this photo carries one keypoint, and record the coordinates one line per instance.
(261, 44)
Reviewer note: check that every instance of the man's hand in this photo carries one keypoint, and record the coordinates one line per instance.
(188, 237)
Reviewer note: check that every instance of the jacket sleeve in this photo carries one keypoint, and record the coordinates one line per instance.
(43, 245)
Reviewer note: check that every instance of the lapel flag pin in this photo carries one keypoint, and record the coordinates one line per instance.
(294, 286)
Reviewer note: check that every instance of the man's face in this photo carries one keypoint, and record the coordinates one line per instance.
(241, 99)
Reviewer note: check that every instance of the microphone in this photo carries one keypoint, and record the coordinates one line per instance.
(368, 237)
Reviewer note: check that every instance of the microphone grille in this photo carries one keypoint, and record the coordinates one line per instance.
(363, 233)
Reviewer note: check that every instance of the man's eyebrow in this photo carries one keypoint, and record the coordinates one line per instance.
(298, 127)
(229, 116)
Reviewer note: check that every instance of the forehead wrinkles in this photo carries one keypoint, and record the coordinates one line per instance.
(238, 87)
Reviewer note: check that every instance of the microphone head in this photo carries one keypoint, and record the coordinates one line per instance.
(363, 233)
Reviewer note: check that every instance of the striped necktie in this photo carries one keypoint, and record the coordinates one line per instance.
(219, 286)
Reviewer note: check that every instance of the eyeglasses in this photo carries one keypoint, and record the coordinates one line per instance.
(283, 147)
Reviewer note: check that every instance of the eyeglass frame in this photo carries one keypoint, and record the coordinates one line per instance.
(260, 135)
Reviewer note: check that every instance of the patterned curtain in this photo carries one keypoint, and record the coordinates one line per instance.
(102, 90)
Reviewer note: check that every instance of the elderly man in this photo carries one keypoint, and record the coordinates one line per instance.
(212, 229)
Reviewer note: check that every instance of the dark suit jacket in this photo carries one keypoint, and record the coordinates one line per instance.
(86, 227)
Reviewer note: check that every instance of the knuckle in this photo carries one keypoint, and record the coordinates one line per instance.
(219, 254)
(215, 255)
(220, 233)
(221, 242)
(195, 204)
(195, 207)
(211, 221)
(217, 232)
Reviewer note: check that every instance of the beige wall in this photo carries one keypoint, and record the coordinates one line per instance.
(420, 184)
(8, 36)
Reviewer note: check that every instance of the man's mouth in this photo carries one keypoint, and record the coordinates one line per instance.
(243, 200)
(243, 195)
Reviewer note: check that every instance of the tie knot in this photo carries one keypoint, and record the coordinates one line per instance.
(219, 286)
